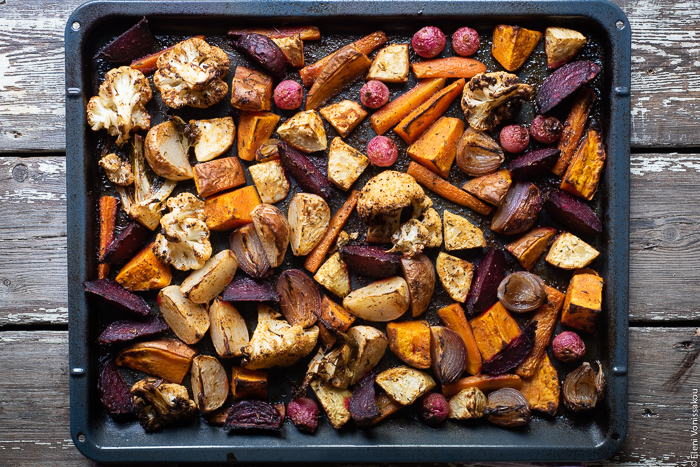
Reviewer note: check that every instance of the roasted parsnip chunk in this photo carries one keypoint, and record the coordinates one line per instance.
(209, 383)
(344, 116)
(227, 329)
(335, 402)
(345, 164)
(304, 131)
(455, 275)
(460, 234)
(270, 180)
(211, 138)
(390, 64)
(334, 276)
(561, 44)
(308, 217)
(404, 384)
(188, 320)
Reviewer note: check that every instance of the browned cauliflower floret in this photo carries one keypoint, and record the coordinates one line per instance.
(144, 203)
(159, 404)
(390, 192)
(118, 171)
(490, 98)
(190, 74)
(119, 107)
(275, 342)
(411, 238)
(184, 242)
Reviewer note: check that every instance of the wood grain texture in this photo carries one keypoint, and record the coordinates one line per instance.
(34, 426)
(665, 76)
(665, 242)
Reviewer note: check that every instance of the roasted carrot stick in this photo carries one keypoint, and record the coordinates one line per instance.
(148, 63)
(445, 189)
(108, 221)
(482, 382)
(453, 317)
(450, 67)
(365, 45)
(395, 111)
(420, 118)
(307, 33)
(318, 254)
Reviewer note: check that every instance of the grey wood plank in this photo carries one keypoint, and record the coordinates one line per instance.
(664, 239)
(665, 77)
(34, 427)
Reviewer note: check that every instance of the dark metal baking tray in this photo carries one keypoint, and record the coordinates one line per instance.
(402, 439)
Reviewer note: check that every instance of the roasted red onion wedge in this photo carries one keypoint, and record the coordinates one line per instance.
(126, 331)
(448, 354)
(371, 261)
(249, 251)
(299, 297)
(116, 295)
(519, 210)
(246, 289)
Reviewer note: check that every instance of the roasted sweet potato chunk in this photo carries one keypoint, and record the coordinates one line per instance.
(334, 316)
(485, 383)
(436, 148)
(248, 384)
(583, 174)
(108, 219)
(528, 248)
(253, 129)
(410, 341)
(145, 272)
(169, 359)
(341, 70)
(584, 302)
(493, 330)
(512, 45)
(542, 389)
(573, 128)
(230, 210)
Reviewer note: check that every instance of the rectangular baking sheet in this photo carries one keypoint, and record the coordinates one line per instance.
(400, 439)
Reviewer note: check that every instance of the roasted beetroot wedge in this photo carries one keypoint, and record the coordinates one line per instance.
(114, 392)
(126, 245)
(514, 353)
(246, 289)
(563, 82)
(307, 176)
(134, 43)
(371, 261)
(572, 213)
(125, 331)
(489, 274)
(263, 51)
(117, 296)
(253, 415)
(533, 164)
(363, 407)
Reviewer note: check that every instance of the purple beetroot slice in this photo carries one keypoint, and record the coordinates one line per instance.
(532, 164)
(371, 261)
(572, 213)
(126, 330)
(303, 171)
(114, 392)
(246, 289)
(363, 407)
(123, 247)
(247, 414)
(513, 354)
(484, 290)
(563, 82)
(135, 43)
(114, 294)
(263, 51)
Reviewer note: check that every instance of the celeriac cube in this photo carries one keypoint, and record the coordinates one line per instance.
(334, 276)
(404, 384)
(270, 180)
(455, 275)
(390, 64)
(333, 400)
(304, 131)
(570, 252)
(460, 234)
(344, 116)
(345, 164)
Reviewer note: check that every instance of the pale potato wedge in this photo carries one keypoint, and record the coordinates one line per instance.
(455, 275)
(405, 384)
(304, 131)
(188, 320)
(211, 138)
(308, 216)
(270, 180)
(334, 276)
(371, 346)
(273, 230)
(211, 279)
(390, 64)
(228, 330)
(384, 300)
(460, 234)
(166, 151)
(345, 164)
(209, 383)
(419, 273)
(334, 401)
(570, 252)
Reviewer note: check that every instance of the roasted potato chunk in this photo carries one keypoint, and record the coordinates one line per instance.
(308, 216)
(460, 234)
(390, 64)
(304, 131)
(211, 138)
(345, 164)
(209, 383)
(384, 300)
(251, 90)
(188, 320)
(227, 329)
(204, 284)
(334, 401)
(491, 188)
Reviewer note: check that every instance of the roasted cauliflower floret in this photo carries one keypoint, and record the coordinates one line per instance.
(431, 220)
(275, 342)
(144, 203)
(159, 404)
(184, 242)
(118, 171)
(411, 238)
(119, 106)
(190, 74)
(490, 98)
(389, 193)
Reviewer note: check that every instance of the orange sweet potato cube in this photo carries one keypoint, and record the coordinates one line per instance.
(248, 384)
(335, 316)
(542, 389)
(437, 147)
(528, 248)
(583, 174)
(253, 129)
(493, 330)
(230, 210)
(584, 301)
(251, 90)
(410, 341)
(512, 45)
(144, 272)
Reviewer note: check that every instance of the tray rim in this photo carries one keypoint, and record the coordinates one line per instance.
(607, 16)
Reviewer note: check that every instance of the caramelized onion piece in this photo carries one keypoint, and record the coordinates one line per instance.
(507, 407)
(519, 210)
(582, 388)
(249, 251)
(299, 297)
(478, 154)
(522, 291)
(448, 354)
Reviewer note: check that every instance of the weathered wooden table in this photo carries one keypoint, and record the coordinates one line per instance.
(665, 239)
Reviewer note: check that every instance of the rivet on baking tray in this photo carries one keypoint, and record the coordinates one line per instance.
(619, 370)
(73, 91)
(77, 371)
(622, 91)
